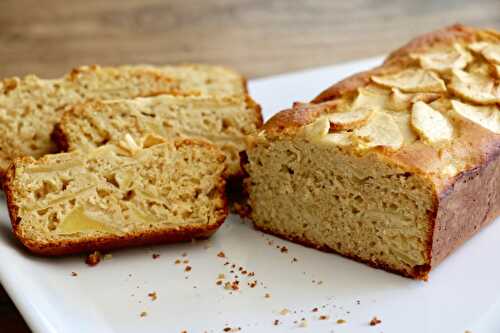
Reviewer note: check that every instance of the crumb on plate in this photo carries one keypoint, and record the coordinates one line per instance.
(93, 259)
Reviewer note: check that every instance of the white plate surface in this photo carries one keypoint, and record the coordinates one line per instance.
(462, 294)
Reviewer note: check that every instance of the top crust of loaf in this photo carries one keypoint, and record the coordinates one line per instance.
(440, 145)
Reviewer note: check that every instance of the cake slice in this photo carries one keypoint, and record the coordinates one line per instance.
(30, 107)
(395, 167)
(117, 195)
(224, 121)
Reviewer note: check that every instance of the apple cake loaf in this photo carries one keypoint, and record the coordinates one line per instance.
(117, 195)
(30, 106)
(224, 121)
(394, 167)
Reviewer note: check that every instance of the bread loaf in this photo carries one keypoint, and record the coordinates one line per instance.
(224, 121)
(394, 167)
(117, 195)
(30, 107)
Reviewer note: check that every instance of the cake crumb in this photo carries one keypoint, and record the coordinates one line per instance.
(375, 321)
(232, 285)
(284, 249)
(324, 317)
(315, 310)
(221, 276)
(185, 261)
(267, 295)
(143, 314)
(93, 259)
(221, 254)
(74, 274)
(155, 255)
(252, 284)
(276, 322)
(218, 282)
(341, 321)
(187, 269)
(294, 259)
(153, 296)
(284, 312)
(177, 262)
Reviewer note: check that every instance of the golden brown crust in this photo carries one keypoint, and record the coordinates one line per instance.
(469, 203)
(399, 58)
(110, 243)
(104, 243)
(256, 108)
(448, 35)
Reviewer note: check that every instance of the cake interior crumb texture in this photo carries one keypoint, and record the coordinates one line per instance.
(223, 121)
(31, 106)
(111, 197)
(354, 205)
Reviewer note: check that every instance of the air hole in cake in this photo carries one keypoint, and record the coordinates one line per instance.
(151, 115)
(226, 123)
(129, 195)
(286, 169)
(65, 184)
(102, 193)
(111, 179)
(53, 221)
(45, 189)
(187, 214)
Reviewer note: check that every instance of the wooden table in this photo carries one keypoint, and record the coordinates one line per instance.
(257, 37)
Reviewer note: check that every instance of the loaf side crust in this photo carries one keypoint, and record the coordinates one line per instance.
(60, 248)
(470, 202)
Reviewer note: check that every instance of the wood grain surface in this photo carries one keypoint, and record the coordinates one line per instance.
(256, 37)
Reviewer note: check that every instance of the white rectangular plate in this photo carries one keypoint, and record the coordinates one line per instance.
(462, 294)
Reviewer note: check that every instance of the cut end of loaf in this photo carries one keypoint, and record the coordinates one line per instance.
(34, 105)
(116, 196)
(223, 121)
(359, 206)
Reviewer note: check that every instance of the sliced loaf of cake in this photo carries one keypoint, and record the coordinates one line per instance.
(117, 195)
(30, 107)
(224, 121)
(395, 167)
